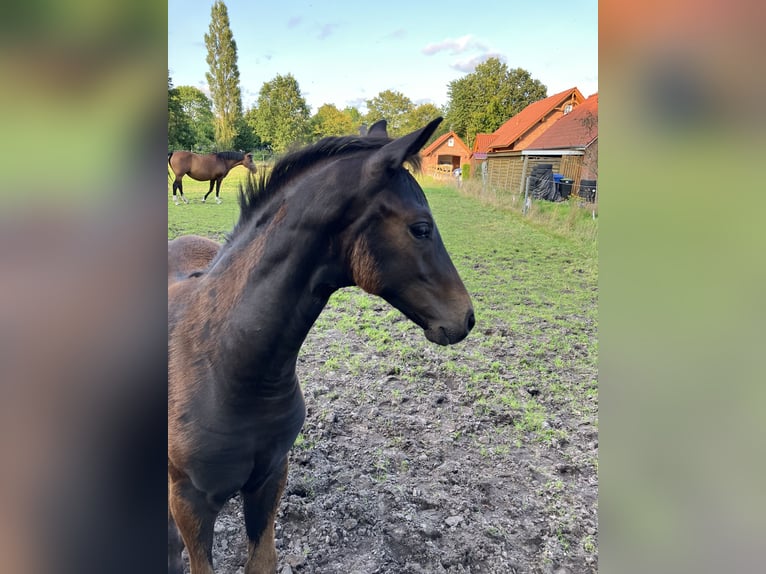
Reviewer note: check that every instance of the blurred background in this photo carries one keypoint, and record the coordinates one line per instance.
(82, 312)
(83, 308)
(682, 266)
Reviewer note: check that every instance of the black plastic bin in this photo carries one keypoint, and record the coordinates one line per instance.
(565, 187)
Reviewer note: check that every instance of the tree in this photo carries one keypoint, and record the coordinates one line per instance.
(486, 98)
(393, 107)
(198, 108)
(354, 115)
(179, 127)
(247, 139)
(281, 118)
(223, 77)
(256, 143)
(330, 121)
(420, 116)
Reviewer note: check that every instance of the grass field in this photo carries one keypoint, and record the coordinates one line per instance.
(574, 218)
(207, 218)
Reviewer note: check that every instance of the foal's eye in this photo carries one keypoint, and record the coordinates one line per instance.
(421, 230)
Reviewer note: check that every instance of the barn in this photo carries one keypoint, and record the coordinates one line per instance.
(572, 142)
(445, 154)
(510, 152)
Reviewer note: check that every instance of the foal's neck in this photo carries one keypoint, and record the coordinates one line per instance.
(279, 281)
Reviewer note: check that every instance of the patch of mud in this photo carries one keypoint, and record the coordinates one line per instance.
(405, 472)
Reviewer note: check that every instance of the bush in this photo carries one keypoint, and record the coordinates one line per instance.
(465, 171)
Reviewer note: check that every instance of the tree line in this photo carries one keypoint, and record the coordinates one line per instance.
(477, 103)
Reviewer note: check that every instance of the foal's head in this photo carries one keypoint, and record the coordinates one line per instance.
(354, 202)
(394, 248)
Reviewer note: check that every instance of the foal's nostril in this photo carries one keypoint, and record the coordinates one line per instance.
(470, 320)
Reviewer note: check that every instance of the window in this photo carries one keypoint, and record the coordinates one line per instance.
(451, 142)
(567, 109)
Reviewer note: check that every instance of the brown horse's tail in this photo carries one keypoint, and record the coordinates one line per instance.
(170, 153)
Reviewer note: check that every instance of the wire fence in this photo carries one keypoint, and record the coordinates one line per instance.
(552, 189)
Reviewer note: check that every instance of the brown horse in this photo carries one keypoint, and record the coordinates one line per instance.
(344, 211)
(212, 167)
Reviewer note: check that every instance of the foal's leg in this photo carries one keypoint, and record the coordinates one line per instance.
(260, 511)
(209, 191)
(195, 518)
(175, 547)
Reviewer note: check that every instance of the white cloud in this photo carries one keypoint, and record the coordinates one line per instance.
(469, 64)
(464, 46)
(454, 45)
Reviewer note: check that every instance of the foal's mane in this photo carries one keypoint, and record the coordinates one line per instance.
(258, 191)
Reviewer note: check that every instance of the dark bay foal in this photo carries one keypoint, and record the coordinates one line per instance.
(341, 212)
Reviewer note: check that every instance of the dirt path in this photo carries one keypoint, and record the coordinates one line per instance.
(401, 470)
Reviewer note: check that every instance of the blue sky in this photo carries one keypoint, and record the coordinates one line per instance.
(345, 52)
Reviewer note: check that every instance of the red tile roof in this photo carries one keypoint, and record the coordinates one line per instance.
(481, 143)
(440, 140)
(571, 130)
(512, 130)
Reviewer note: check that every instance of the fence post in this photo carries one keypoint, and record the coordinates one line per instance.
(527, 200)
(593, 209)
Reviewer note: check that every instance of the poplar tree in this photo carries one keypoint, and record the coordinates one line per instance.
(223, 77)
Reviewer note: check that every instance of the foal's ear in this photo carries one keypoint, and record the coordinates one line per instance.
(392, 155)
(378, 130)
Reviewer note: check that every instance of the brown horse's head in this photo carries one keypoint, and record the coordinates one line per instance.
(248, 162)
(395, 250)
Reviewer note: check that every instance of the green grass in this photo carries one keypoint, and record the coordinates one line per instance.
(572, 219)
(534, 291)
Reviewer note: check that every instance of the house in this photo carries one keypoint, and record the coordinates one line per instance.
(508, 159)
(534, 120)
(444, 155)
(573, 141)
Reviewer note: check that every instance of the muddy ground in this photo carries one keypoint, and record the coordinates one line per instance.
(401, 470)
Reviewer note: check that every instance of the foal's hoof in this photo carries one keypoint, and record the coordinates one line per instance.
(203, 200)
(218, 200)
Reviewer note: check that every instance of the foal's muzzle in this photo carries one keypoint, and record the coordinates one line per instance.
(445, 334)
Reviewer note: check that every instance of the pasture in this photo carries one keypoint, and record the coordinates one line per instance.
(478, 457)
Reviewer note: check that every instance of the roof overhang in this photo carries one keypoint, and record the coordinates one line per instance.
(552, 152)
(537, 152)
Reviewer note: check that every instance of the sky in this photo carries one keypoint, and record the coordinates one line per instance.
(345, 52)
